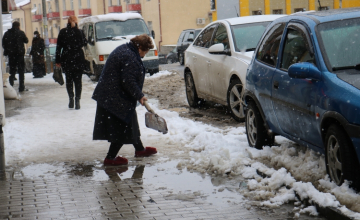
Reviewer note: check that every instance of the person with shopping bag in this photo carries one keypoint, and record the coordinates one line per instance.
(70, 57)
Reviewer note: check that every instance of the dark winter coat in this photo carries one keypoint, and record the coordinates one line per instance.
(121, 82)
(13, 42)
(69, 49)
(37, 50)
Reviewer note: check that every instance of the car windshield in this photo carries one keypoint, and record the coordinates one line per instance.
(340, 43)
(106, 30)
(52, 50)
(247, 36)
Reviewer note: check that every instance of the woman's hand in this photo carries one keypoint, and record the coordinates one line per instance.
(142, 100)
(58, 65)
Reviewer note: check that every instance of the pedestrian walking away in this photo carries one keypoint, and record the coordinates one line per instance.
(117, 93)
(13, 44)
(70, 57)
(37, 53)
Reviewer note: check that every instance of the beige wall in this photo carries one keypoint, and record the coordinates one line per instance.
(256, 5)
(22, 16)
(277, 4)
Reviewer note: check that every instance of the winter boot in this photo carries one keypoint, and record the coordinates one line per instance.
(147, 152)
(71, 102)
(116, 161)
(77, 103)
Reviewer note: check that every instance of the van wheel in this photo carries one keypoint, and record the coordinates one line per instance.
(97, 71)
(340, 157)
(191, 94)
(181, 59)
(255, 128)
(234, 100)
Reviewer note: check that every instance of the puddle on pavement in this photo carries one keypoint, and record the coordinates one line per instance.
(173, 183)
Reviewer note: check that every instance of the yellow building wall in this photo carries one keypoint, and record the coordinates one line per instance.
(179, 15)
(244, 8)
(256, 6)
(350, 3)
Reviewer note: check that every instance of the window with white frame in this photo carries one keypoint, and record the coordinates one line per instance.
(57, 5)
(72, 4)
(88, 4)
(118, 2)
(110, 3)
(79, 4)
(34, 9)
(64, 5)
(137, 1)
(40, 11)
(49, 7)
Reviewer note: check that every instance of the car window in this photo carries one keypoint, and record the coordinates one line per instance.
(295, 49)
(269, 48)
(191, 35)
(338, 40)
(91, 35)
(204, 39)
(186, 36)
(181, 37)
(221, 36)
(247, 36)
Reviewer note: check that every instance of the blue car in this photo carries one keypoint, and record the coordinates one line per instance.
(303, 83)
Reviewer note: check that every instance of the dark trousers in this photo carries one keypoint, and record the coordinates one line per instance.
(17, 63)
(71, 79)
(115, 148)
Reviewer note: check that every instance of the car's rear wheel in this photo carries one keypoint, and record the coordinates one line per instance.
(340, 157)
(181, 59)
(191, 94)
(255, 128)
(234, 100)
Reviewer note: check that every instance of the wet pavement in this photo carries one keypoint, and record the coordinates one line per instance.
(158, 187)
(92, 191)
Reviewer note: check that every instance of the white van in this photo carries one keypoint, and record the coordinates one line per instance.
(106, 32)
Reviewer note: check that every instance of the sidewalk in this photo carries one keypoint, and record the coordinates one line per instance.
(148, 188)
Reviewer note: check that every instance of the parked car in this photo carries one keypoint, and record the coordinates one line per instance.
(216, 62)
(172, 56)
(28, 58)
(303, 84)
(186, 38)
(106, 32)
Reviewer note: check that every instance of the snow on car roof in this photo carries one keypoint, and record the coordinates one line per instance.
(252, 19)
(111, 17)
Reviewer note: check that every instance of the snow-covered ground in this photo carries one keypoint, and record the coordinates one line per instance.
(48, 132)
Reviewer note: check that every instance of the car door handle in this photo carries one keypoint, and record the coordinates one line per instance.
(276, 84)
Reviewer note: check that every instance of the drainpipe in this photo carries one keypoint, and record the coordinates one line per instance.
(160, 26)
(104, 7)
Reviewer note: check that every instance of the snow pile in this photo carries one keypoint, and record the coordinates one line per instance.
(160, 74)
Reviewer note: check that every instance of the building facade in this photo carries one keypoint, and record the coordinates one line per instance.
(231, 8)
(166, 17)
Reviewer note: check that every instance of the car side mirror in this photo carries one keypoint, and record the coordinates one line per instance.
(219, 49)
(153, 34)
(304, 71)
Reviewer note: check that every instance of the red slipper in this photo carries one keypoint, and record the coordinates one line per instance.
(115, 162)
(145, 153)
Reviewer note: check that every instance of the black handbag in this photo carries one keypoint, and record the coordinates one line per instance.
(57, 76)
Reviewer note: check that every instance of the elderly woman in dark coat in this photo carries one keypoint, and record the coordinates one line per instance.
(117, 92)
(37, 53)
(70, 57)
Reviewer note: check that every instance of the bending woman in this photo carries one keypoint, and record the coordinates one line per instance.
(117, 92)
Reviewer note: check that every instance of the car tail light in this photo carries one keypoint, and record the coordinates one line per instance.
(101, 57)
(156, 52)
